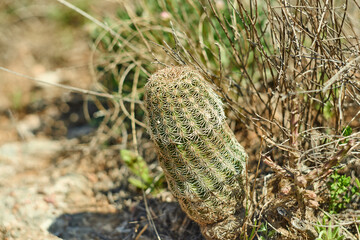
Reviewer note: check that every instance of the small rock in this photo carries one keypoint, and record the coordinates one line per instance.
(26, 126)
(51, 77)
(18, 151)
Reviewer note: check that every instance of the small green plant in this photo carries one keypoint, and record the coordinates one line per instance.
(327, 231)
(346, 131)
(264, 232)
(341, 191)
(140, 169)
(17, 99)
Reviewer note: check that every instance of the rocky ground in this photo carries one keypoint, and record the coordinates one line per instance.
(49, 191)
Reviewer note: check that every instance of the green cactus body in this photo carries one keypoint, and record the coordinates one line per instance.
(203, 163)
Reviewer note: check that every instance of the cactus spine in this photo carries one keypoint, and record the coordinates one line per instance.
(203, 163)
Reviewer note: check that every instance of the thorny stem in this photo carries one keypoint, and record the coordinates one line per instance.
(294, 128)
(323, 171)
(294, 155)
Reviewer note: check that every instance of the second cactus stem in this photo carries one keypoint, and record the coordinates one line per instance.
(203, 163)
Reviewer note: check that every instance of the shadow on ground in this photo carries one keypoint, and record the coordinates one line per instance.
(86, 225)
(170, 222)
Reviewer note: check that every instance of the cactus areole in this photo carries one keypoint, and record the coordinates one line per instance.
(203, 163)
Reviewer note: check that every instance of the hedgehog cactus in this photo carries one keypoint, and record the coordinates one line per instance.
(203, 163)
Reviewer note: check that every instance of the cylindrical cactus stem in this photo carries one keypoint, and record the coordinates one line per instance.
(203, 163)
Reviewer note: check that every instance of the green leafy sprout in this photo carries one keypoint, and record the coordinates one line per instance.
(341, 191)
(138, 166)
(327, 231)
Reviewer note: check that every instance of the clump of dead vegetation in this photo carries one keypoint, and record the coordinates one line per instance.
(289, 72)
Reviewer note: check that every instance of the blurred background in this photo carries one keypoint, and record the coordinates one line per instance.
(80, 165)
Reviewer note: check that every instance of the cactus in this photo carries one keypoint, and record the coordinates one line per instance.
(203, 163)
